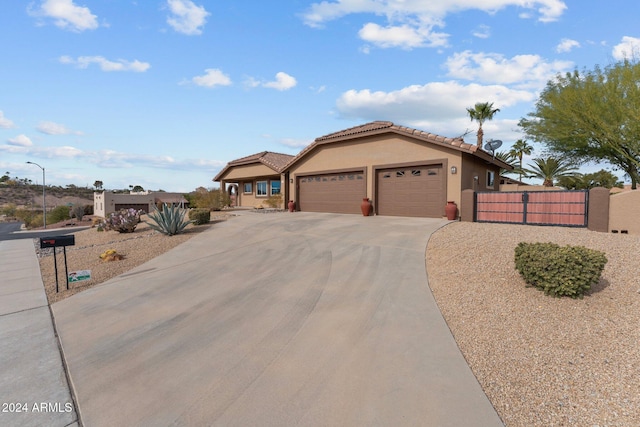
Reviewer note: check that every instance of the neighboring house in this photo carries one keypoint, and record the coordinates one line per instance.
(253, 179)
(105, 202)
(404, 171)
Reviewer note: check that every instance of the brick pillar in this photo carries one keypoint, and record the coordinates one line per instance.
(467, 205)
(598, 219)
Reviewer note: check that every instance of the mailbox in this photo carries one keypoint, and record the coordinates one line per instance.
(56, 241)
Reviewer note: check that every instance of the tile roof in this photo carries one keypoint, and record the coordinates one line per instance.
(275, 161)
(380, 127)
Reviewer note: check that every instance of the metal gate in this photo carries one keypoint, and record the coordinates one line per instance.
(564, 208)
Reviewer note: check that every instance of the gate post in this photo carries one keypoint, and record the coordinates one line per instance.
(598, 210)
(467, 205)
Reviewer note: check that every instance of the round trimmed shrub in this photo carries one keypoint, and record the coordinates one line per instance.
(559, 271)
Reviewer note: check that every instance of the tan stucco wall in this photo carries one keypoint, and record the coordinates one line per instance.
(472, 167)
(623, 212)
(518, 187)
(109, 200)
(377, 151)
(251, 200)
(246, 172)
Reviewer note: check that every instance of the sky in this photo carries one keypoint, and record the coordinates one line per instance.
(163, 93)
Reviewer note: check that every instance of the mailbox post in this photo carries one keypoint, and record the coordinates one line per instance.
(54, 242)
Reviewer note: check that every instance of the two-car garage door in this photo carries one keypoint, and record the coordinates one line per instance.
(402, 191)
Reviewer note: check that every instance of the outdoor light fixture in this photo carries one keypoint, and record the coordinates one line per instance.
(44, 200)
(454, 170)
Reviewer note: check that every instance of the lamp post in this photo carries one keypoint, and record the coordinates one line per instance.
(44, 200)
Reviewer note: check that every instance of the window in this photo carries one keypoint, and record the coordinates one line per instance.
(491, 176)
(275, 187)
(261, 188)
(399, 174)
(248, 187)
(416, 172)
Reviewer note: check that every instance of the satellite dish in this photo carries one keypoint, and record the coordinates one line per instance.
(492, 145)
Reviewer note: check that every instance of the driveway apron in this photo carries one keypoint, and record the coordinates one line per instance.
(273, 320)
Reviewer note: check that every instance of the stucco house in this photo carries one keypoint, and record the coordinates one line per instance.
(404, 171)
(105, 202)
(255, 178)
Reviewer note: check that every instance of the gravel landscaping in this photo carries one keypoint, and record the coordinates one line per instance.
(137, 248)
(542, 361)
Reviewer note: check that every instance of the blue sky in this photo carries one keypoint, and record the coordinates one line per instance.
(164, 93)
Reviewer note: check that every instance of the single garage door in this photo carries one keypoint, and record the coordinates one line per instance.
(336, 192)
(411, 191)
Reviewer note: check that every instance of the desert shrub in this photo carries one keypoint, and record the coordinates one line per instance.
(24, 215)
(9, 210)
(124, 221)
(88, 209)
(213, 200)
(559, 271)
(200, 216)
(274, 201)
(35, 221)
(170, 220)
(77, 211)
(57, 214)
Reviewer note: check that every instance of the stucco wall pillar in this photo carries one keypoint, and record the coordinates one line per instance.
(598, 219)
(467, 205)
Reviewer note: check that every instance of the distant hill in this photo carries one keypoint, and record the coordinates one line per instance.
(25, 195)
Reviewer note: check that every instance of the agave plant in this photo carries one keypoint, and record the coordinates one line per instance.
(170, 220)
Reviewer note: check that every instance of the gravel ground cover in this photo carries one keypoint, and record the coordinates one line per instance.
(542, 361)
(137, 248)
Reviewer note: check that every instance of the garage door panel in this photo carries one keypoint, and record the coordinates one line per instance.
(411, 191)
(338, 193)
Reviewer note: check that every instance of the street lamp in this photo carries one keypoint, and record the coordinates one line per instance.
(44, 200)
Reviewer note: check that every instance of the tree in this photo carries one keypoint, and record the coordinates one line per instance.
(213, 199)
(592, 116)
(509, 159)
(519, 149)
(98, 185)
(602, 178)
(137, 189)
(482, 112)
(550, 169)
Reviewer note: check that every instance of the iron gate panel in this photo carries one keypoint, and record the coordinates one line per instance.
(564, 208)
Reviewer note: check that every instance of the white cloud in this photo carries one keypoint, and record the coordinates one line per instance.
(105, 64)
(566, 45)
(410, 23)
(20, 141)
(295, 143)
(404, 36)
(437, 101)
(212, 77)
(67, 15)
(283, 81)
(482, 32)
(524, 71)
(51, 128)
(628, 48)
(4, 122)
(186, 17)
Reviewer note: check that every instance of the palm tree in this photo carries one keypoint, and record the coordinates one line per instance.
(508, 158)
(520, 148)
(482, 112)
(550, 169)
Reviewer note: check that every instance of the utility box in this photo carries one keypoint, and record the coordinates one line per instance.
(57, 241)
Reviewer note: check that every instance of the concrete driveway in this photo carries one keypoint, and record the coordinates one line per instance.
(273, 320)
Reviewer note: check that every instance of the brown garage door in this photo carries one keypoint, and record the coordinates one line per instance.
(336, 192)
(411, 191)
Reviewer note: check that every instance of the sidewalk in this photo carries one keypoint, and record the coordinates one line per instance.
(33, 385)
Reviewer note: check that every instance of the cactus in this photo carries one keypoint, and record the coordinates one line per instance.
(170, 220)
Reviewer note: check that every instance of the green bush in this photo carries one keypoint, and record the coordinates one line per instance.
(58, 214)
(200, 216)
(77, 211)
(214, 200)
(170, 220)
(274, 201)
(559, 271)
